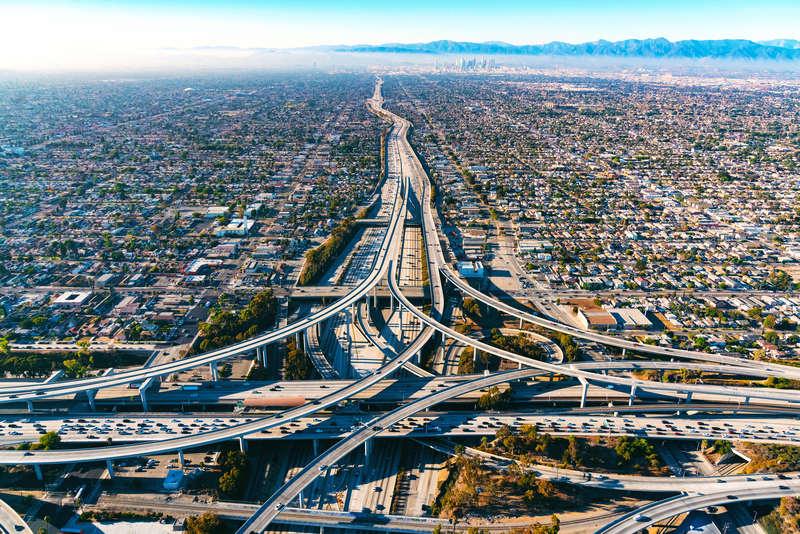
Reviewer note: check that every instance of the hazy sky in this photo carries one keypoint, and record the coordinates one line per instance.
(35, 34)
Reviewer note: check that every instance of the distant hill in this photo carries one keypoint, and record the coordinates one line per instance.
(783, 43)
(732, 49)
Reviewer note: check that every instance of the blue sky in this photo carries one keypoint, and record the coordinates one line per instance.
(30, 30)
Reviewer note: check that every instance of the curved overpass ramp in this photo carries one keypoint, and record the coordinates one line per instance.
(10, 521)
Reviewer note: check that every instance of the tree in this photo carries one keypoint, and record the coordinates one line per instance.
(772, 337)
(205, 524)
(136, 331)
(231, 482)
(641, 264)
(84, 345)
(769, 321)
(4, 347)
(755, 313)
(722, 446)
(437, 529)
(460, 450)
(50, 441)
(74, 369)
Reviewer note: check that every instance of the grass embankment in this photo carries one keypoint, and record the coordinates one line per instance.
(426, 279)
(320, 259)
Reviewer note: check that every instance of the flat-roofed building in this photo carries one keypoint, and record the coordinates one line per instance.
(72, 299)
(216, 211)
(630, 319)
(470, 269)
(235, 227)
(128, 306)
(597, 319)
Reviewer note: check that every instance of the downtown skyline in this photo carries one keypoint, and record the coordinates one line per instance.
(65, 34)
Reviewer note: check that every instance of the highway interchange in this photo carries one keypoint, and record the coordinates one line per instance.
(380, 263)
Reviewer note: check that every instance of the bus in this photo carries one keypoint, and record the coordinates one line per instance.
(79, 493)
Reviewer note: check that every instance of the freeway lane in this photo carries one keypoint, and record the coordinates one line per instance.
(127, 451)
(169, 393)
(571, 370)
(600, 338)
(388, 250)
(271, 508)
(684, 503)
(782, 430)
(375, 339)
(10, 521)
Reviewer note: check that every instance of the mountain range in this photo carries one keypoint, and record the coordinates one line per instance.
(730, 49)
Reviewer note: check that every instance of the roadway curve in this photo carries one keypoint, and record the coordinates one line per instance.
(375, 339)
(388, 250)
(667, 508)
(268, 511)
(600, 338)
(10, 520)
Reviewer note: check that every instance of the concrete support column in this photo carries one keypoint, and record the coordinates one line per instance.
(144, 400)
(90, 394)
(348, 354)
(297, 340)
(367, 449)
(633, 395)
(688, 397)
(110, 467)
(475, 354)
(315, 443)
(30, 405)
(520, 324)
(551, 377)
(214, 372)
(584, 393)
(242, 444)
(375, 296)
(746, 401)
(300, 499)
(38, 470)
(180, 458)
(520, 365)
(623, 353)
(400, 317)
